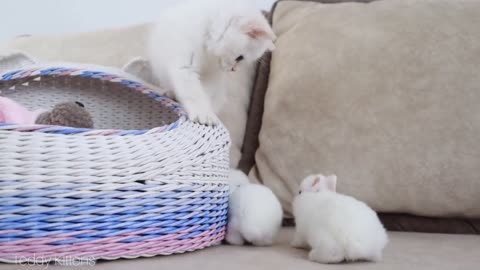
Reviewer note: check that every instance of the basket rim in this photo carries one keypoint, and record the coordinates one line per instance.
(95, 72)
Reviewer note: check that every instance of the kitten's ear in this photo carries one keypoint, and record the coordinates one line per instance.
(258, 30)
(259, 33)
(256, 33)
(331, 183)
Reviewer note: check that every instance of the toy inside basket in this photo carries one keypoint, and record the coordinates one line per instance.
(144, 182)
(113, 101)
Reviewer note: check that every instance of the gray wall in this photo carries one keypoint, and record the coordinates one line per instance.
(61, 16)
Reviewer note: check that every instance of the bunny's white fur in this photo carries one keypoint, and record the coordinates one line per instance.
(255, 214)
(236, 178)
(335, 227)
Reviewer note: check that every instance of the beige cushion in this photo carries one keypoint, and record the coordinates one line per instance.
(385, 95)
(109, 47)
(405, 251)
(116, 48)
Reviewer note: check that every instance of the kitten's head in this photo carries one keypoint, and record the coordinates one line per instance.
(243, 38)
(318, 183)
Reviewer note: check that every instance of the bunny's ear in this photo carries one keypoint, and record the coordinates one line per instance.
(331, 183)
(318, 182)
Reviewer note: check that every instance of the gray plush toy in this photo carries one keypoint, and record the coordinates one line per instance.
(68, 114)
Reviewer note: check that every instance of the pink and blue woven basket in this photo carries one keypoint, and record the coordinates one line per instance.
(146, 182)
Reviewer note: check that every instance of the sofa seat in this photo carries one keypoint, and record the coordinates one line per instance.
(405, 251)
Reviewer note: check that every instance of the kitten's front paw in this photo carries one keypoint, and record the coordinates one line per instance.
(202, 116)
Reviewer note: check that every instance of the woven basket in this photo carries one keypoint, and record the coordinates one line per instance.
(145, 182)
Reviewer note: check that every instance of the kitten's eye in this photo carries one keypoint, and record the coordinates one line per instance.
(240, 58)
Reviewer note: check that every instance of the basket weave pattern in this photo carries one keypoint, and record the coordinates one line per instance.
(109, 193)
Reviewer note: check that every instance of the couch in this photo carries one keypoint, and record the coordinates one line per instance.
(383, 93)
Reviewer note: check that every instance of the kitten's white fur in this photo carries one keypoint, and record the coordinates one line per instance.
(196, 45)
(255, 214)
(336, 227)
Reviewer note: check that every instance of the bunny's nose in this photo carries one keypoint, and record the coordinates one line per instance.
(80, 104)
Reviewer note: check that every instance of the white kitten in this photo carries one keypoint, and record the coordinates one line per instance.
(255, 214)
(336, 227)
(195, 45)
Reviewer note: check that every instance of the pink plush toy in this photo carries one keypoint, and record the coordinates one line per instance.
(13, 113)
(67, 114)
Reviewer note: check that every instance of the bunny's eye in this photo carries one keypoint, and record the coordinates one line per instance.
(240, 58)
(300, 192)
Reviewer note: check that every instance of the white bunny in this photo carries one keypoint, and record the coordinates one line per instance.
(255, 214)
(335, 227)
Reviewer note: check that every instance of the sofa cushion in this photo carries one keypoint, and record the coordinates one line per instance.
(254, 123)
(383, 94)
(404, 251)
(255, 113)
(108, 47)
